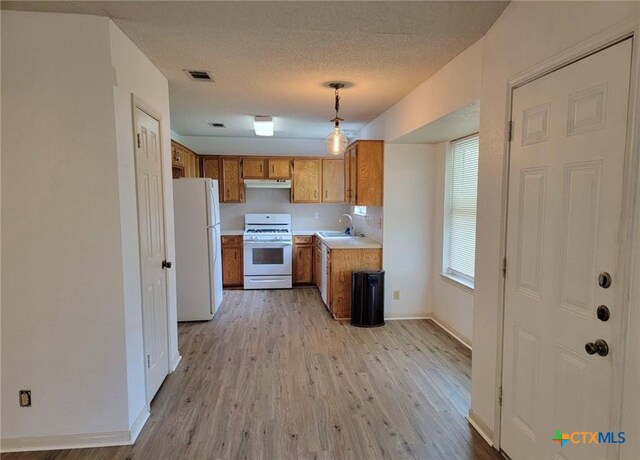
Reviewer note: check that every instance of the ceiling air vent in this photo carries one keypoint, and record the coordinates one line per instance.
(217, 125)
(200, 75)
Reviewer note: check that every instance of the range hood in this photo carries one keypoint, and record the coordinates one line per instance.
(267, 183)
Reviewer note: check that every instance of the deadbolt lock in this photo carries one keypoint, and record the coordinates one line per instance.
(603, 313)
(604, 280)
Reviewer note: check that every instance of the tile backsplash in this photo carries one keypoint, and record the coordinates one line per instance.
(370, 224)
(303, 216)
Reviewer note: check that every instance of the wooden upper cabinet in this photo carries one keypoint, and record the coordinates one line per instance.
(211, 167)
(307, 181)
(279, 168)
(177, 159)
(364, 173)
(231, 186)
(333, 181)
(185, 162)
(254, 168)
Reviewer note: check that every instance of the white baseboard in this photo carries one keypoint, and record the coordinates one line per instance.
(480, 427)
(138, 424)
(404, 318)
(174, 362)
(76, 441)
(456, 335)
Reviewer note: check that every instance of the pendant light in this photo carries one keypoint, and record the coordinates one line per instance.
(337, 141)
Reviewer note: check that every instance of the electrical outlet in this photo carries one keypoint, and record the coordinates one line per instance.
(25, 398)
(396, 295)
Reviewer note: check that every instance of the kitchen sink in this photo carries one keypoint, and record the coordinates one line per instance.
(335, 235)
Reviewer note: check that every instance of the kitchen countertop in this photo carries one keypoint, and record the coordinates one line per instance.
(231, 232)
(332, 243)
(361, 242)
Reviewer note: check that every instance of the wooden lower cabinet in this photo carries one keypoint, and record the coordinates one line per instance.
(232, 261)
(303, 260)
(343, 262)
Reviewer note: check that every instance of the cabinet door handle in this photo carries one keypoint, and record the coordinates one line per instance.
(315, 194)
(273, 169)
(260, 167)
(326, 194)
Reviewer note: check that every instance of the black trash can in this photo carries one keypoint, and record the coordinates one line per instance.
(367, 298)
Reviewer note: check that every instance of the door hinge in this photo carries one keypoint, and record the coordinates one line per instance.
(500, 395)
(138, 137)
(504, 267)
(510, 135)
(148, 361)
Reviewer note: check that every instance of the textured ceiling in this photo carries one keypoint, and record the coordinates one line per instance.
(273, 58)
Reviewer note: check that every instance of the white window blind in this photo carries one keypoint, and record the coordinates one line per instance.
(462, 199)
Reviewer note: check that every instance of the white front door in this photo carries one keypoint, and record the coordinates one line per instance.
(152, 249)
(564, 229)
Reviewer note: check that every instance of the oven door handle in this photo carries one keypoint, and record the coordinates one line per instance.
(272, 244)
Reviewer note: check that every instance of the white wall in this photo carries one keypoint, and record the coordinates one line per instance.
(135, 74)
(451, 303)
(277, 201)
(526, 34)
(408, 229)
(71, 317)
(62, 280)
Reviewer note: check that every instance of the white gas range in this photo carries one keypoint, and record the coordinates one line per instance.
(268, 248)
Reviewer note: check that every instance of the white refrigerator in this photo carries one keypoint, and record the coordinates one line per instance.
(198, 252)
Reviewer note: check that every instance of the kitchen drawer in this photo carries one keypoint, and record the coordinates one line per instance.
(302, 239)
(235, 240)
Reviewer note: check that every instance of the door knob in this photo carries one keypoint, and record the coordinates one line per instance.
(603, 313)
(166, 264)
(599, 346)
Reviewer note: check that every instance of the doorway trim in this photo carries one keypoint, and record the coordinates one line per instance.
(137, 103)
(631, 190)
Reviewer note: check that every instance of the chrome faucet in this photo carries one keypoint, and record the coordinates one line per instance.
(352, 229)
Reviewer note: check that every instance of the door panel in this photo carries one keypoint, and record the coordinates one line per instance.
(152, 250)
(333, 181)
(564, 215)
(307, 179)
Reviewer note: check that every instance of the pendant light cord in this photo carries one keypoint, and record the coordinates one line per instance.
(337, 107)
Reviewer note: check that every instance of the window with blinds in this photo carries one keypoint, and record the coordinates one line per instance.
(460, 219)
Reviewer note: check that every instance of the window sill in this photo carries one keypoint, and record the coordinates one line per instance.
(458, 281)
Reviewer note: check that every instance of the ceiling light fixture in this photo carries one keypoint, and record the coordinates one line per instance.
(263, 125)
(337, 141)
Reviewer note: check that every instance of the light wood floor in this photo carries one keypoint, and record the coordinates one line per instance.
(273, 377)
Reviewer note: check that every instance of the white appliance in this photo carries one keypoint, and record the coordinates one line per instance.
(198, 249)
(324, 282)
(267, 183)
(268, 248)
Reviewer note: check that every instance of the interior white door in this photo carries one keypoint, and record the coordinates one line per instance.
(564, 216)
(152, 249)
